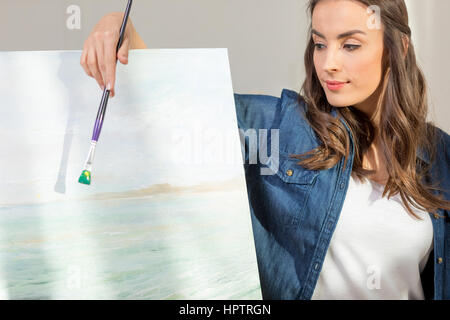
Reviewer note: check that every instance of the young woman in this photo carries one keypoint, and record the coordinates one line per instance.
(358, 205)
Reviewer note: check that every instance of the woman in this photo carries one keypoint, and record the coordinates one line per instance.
(359, 201)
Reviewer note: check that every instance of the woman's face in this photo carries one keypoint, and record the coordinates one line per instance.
(355, 58)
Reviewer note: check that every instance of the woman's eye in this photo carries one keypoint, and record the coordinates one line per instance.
(351, 47)
(317, 46)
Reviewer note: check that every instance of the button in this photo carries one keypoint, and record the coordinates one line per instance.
(436, 216)
(342, 185)
(440, 260)
(289, 172)
(316, 266)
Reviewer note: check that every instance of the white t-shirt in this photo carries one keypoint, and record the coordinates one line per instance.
(377, 250)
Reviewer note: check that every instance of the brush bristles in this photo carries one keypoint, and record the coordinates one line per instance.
(85, 177)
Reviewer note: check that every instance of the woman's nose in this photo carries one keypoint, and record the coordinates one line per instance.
(332, 60)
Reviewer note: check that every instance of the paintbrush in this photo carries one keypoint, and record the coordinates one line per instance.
(86, 176)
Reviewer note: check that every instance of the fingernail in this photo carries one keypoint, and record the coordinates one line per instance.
(108, 86)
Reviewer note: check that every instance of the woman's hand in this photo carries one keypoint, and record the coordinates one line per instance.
(99, 51)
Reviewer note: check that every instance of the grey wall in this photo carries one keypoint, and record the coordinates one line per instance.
(430, 23)
(265, 38)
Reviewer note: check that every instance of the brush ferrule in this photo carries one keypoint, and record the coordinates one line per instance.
(90, 157)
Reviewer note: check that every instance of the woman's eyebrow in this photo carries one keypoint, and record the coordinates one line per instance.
(342, 35)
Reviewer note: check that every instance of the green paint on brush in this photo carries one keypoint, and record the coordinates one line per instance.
(85, 177)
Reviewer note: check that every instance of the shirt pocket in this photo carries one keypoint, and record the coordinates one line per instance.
(294, 185)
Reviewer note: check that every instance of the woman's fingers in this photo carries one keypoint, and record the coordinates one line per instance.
(122, 55)
(94, 69)
(89, 63)
(99, 56)
(83, 62)
(101, 67)
(109, 60)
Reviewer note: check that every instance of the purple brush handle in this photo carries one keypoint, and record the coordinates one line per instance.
(101, 110)
(100, 116)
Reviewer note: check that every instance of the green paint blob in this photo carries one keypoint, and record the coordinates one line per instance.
(85, 177)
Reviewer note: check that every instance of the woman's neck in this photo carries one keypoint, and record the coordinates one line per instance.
(374, 159)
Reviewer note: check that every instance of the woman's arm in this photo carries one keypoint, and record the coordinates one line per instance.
(98, 58)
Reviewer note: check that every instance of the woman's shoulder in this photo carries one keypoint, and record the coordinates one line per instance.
(443, 147)
(443, 137)
(261, 111)
(267, 101)
(441, 140)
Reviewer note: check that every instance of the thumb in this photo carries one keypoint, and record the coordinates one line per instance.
(122, 55)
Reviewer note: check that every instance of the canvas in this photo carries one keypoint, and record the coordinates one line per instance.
(166, 215)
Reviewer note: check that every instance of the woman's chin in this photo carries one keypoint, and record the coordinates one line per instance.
(339, 103)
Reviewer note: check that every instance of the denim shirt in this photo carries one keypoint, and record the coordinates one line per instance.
(294, 210)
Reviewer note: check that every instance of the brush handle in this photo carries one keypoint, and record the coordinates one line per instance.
(124, 25)
(103, 103)
(100, 115)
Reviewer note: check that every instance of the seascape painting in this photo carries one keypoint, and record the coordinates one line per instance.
(166, 215)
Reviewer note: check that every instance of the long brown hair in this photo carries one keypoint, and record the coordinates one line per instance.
(402, 108)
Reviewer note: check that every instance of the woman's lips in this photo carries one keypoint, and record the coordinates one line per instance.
(336, 85)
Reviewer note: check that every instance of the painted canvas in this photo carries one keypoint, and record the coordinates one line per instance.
(166, 215)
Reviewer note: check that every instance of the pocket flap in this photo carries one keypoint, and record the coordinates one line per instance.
(291, 172)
